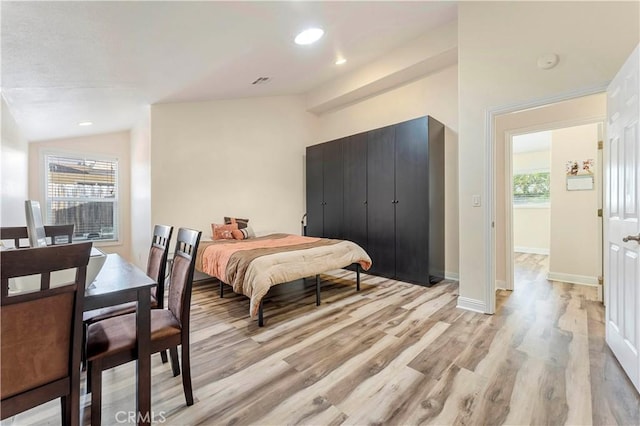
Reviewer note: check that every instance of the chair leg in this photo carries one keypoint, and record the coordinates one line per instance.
(65, 408)
(163, 356)
(186, 373)
(175, 364)
(83, 349)
(87, 391)
(96, 393)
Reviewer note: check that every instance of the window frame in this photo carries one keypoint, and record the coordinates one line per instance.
(83, 155)
(529, 205)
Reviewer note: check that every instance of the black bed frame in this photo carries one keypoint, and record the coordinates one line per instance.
(261, 312)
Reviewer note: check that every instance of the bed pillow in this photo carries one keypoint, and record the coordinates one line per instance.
(223, 232)
(243, 234)
(242, 223)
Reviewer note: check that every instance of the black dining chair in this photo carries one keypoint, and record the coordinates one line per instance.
(156, 269)
(42, 331)
(19, 233)
(112, 342)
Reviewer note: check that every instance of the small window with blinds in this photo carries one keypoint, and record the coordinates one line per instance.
(531, 188)
(83, 191)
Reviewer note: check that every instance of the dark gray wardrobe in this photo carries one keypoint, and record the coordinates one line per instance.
(384, 190)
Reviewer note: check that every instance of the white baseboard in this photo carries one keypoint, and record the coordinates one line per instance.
(471, 304)
(501, 285)
(532, 250)
(573, 279)
(453, 276)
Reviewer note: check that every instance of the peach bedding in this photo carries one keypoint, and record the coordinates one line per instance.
(252, 266)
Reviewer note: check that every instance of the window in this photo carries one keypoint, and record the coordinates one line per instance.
(531, 188)
(83, 191)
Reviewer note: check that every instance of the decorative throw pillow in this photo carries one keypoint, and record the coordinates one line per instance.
(242, 223)
(223, 232)
(243, 234)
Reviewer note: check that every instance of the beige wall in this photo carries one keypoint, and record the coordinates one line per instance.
(497, 63)
(241, 157)
(434, 95)
(531, 230)
(141, 226)
(575, 227)
(111, 145)
(531, 161)
(14, 153)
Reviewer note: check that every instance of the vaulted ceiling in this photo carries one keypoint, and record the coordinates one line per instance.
(68, 62)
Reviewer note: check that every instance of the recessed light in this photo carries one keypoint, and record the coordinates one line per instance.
(85, 123)
(341, 61)
(309, 36)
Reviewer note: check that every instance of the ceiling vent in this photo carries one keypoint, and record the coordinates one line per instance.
(261, 80)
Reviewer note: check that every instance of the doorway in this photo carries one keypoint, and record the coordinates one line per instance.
(530, 176)
(554, 195)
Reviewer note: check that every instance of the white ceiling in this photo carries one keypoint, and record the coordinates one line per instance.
(532, 142)
(67, 62)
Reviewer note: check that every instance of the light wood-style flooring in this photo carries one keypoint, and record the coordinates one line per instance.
(392, 354)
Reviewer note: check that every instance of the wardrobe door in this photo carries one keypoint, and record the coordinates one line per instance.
(355, 189)
(412, 201)
(380, 201)
(333, 190)
(314, 191)
(436, 201)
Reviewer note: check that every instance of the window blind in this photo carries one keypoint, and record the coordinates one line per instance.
(83, 191)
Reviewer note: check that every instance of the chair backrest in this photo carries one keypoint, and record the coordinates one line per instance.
(54, 231)
(157, 262)
(17, 233)
(184, 261)
(41, 331)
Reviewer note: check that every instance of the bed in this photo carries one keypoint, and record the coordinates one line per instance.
(251, 267)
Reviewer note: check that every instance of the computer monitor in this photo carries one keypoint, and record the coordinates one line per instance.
(35, 226)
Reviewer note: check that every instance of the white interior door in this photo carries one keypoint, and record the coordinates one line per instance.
(622, 225)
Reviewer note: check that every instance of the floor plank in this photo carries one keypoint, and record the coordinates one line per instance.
(393, 354)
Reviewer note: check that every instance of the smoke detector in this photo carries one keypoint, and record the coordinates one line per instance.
(548, 61)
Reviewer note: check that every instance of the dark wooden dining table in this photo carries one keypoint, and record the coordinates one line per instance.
(119, 282)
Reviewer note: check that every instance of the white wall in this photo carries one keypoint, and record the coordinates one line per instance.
(531, 232)
(434, 50)
(241, 157)
(434, 95)
(112, 145)
(498, 45)
(575, 226)
(141, 226)
(14, 153)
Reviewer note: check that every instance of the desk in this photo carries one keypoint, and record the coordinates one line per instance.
(119, 282)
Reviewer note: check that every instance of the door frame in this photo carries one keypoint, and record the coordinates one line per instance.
(490, 178)
(508, 182)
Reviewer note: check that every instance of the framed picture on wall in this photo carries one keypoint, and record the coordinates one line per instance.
(580, 175)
